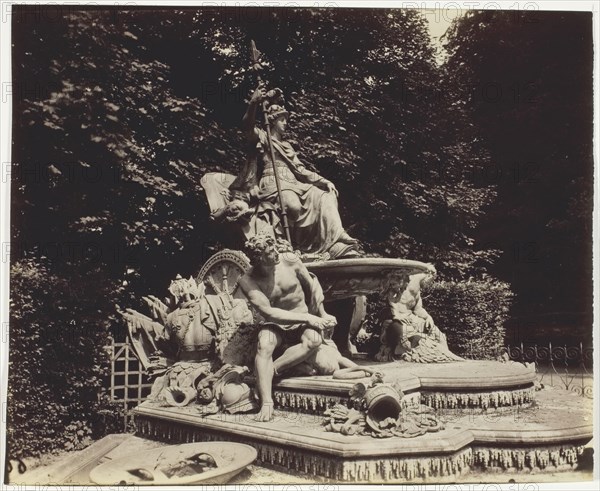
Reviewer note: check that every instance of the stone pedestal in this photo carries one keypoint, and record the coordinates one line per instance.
(494, 418)
(474, 385)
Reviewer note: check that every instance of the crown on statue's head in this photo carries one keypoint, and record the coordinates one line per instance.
(275, 111)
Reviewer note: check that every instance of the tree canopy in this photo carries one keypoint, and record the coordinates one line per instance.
(525, 80)
(118, 113)
(139, 106)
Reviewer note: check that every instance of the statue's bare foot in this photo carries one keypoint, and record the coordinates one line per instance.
(346, 239)
(265, 413)
(385, 354)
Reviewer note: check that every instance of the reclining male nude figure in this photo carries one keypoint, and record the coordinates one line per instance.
(290, 300)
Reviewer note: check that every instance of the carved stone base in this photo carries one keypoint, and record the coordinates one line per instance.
(360, 459)
(548, 436)
(483, 385)
(555, 457)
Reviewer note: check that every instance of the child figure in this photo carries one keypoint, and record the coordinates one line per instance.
(408, 331)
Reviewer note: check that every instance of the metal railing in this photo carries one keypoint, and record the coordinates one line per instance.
(565, 367)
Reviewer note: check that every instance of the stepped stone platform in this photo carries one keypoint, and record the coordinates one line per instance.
(470, 384)
(494, 419)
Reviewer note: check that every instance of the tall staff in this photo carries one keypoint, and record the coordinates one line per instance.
(256, 66)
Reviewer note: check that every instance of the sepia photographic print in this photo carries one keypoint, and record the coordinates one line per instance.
(317, 244)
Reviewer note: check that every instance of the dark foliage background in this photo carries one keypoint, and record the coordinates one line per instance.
(57, 360)
(526, 83)
(119, 113)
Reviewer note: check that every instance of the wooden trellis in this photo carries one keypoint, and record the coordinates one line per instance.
(128, 382)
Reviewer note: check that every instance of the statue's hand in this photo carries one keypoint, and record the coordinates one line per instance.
(330, 320)
(275, 96)
(429, 324)
(259, 94)
(332, 189)
(316, 322)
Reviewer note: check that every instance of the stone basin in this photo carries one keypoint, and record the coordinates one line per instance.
(347, 278)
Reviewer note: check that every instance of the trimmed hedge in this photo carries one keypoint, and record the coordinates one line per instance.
(471, 313)
(57, 361)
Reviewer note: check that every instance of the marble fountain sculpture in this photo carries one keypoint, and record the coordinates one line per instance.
(408, 421)
(416, 412)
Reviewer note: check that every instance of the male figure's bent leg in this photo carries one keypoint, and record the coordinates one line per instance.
(309, 341)
(268, 340)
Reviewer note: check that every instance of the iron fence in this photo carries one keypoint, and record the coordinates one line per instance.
(565, 367)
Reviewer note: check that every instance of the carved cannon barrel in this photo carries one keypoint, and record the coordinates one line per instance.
(383, 402)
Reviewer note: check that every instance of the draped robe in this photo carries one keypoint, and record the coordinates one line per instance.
(318, 227)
